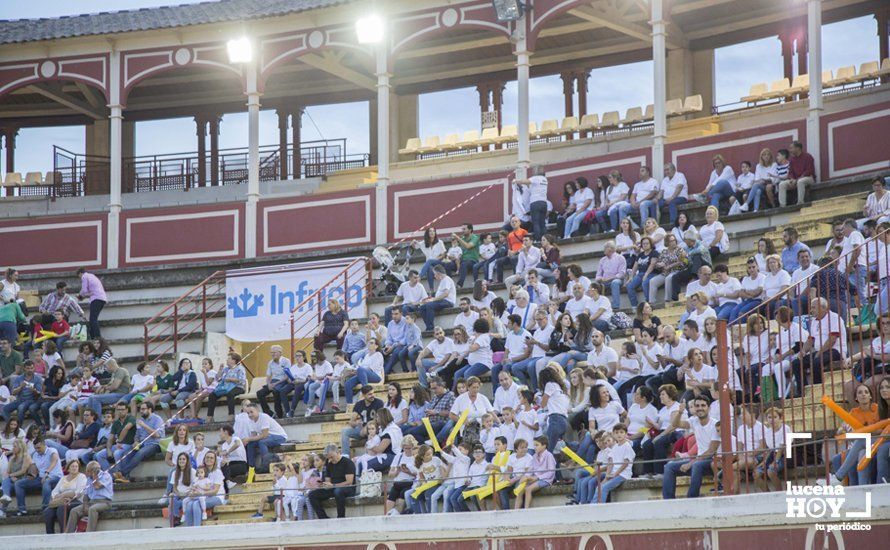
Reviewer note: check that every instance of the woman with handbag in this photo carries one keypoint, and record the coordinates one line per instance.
(232, 383)
(64, 497)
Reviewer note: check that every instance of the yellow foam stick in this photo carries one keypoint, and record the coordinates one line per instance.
(251, 473)
(500, 460)
(519, 489)
(499, 486)
(580, 461)
(457, 427)
(45, 335)
(840, 412)
(473, 492)
(428, 485)
(430, 432)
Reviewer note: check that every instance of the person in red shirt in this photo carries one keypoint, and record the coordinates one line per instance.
(801, 173)
(514, 245)
(61, 327)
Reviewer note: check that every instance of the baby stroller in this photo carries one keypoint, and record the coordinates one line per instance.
(393, 269)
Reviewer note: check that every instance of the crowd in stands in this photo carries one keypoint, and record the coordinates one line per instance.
(562, 395)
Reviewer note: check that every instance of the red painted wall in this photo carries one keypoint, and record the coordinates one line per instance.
(57, 243)
(855, 141)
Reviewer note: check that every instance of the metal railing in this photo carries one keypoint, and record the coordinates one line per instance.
(184, 317)
(306, 317)
(791, 355)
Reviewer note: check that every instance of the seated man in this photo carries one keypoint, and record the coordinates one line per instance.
(26, 391)
(338, 482)
(276, 381)
(264, 433)
(445, 297)
(643, 198)
(49, 471)
(408, 297)
(801, 173)
(98, 497)
(117, 387)
(149, 431)
(434, 356)
(362, 412)
(707, 439)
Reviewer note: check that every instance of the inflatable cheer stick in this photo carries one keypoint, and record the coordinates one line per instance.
(863, 464)
(577, 459)
(428, 485)
(457, 427)
(432, 434)
(840, 412)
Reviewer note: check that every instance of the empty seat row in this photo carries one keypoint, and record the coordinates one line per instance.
(549, 128)
(801, 83)
(14, 179)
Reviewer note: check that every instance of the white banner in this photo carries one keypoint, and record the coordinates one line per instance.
(259, 301)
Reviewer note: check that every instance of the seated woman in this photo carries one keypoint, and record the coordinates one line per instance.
(680, 226)
(390, 442)
(765, 176)
(755, 355)
(870, 364)
(644, 319)
(626, 241)
(670, 261)
(570, 206)
(713, 234)
(776, 281)
(845, 465)
(642, 271)
(722, 183)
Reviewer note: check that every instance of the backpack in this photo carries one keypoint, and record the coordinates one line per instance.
(265, 462)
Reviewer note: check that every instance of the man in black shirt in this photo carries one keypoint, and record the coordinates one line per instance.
(339, 483)
(363, 411)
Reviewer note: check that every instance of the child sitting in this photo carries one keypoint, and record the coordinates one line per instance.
(586, 486)
(277, 498)
(68, 396)
(526, 419)
(341, 366)
(487, 435)
(202, 483)
(477, 476)
(772, 461)
(429, 468)
(454, 254)
(318, 384)
(457, 477)
(542, 472)
(361, 462)
(61, 328)
(508, 427)
(517, 466)
(619, 467)
(307, 479)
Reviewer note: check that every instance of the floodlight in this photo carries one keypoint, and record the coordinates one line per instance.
(508, 10)
(240, 50)
(369, 29)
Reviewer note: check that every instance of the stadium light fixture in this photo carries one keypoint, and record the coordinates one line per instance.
(369, 29)
(508, 10)
(240, 50)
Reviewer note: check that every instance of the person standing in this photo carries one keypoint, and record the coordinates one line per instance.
(91, 288)
(537, 198)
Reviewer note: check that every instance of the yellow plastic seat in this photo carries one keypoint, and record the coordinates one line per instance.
(255, 385)
(777, 89)
(532, 129)
(868, 71)
(844, 75)
(508, 133)
(548, 128)
(430, 145)
(51, 178)
(569, 125)
(611, 119)
(411, 146)
(589, 122)
(33, 178)
(756, 93)
(800, 84)
(12, 179)
(489, 136)
(827, 76)
(634, 114)
(470, 140)
(885, 67)
(649, 114)
(450, 142)
(674, 107)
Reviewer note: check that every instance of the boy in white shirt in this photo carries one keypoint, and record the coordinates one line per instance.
(341, 367)
(620, 466)
(276, 499)
(460, 465)
(487, 435)
(518, 465)
(508, 427)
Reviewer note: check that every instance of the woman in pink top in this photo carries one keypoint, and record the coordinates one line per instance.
(91, 288)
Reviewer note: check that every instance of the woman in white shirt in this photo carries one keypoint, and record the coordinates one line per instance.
(652, 230)
(776, 281)
(755, 352)
(721, 184)
(616, 196)
(641, 416)
(583, 202)
(555, 401)
(397, 405)
(368, 370)
(765, 248)
(215, 492)
(656, 449)
(713, 234)
(69, 487)
(701, 310)
(479, 358)
(877, 205)
(626, 241)
(766, 177)
(434, 253)
(680, 227)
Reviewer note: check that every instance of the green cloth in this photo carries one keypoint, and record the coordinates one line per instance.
(8, 364)
(12, 313)
(118, 427)
(122, 375)
(164, 382)
(471, 253)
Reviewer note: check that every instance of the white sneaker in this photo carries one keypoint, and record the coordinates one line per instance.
(204, 515)
(308, 412)
(393, 512)
(5, 499)
(163, 500)
(744, 207)
(832, 480)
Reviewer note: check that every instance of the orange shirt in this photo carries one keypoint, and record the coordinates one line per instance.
(514, 239)
(866, 418)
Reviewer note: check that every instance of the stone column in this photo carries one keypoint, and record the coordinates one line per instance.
(814, 112)
(253, 162)
(282, 143)
(581, 79)
(201, 127)
(659, 48)
(296, 128)
(214, 149)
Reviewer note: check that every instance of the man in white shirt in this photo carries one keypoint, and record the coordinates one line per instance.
(515, 346)
(727, 292)
(853, 260)
(466, 317)
(702, 284)
(409, 296)
(707, 439)
(264, 432)
(446, 296)
(519, 206)
(506, 394)
(600, 307)
(800, 277)
(824, 349)
(528, 258)
(578, 303)
(434, 356)
(537, 200)
(538, 292)
(602, 355)
(674, 191)
(643, 198)
(538, 345)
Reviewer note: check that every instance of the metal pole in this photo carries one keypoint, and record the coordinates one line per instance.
(814, 40)
(660, 97)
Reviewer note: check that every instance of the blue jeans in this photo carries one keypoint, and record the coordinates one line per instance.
(672, 207)
(655, 451)
(883, 458)
(429, 310)
(633, 285)
(147, 450)
(604, 487)
(648, 209)
(95, 403)
(754, 196)
(362, 376)
(604, 220)
(744, 307)
(313, 391)
(587, 449)
(848, 467)
(573, 223)
(618, 214)
(427, 271)
(884, 296)
(721, 190)
(20, 407)
(457, 501)
(557, 424)
(193, 510)
(347, 434)
(476, 369)
(117, 451)
(527, 372)
(672, 470)
(425, 365)
(725, 311)
(256, 449)
(615, 285)
(538, 212)
(392, 358)
(26, 484)
(859, 280)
